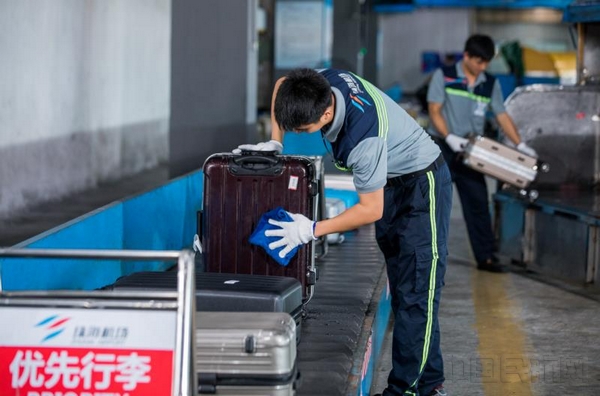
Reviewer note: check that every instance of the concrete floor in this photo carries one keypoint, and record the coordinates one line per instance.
(509, 334)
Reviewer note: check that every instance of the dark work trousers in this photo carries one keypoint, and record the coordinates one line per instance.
(473, 193)
(412, 234)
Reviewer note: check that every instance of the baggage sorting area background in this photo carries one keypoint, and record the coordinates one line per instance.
(131, 224)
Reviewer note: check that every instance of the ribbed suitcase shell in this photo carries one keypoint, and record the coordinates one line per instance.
(500, 161)
(238, 190)
(241, 353)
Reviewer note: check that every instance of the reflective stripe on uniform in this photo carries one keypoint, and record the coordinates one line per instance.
(379, 106)
(468, 95)
(432, 274)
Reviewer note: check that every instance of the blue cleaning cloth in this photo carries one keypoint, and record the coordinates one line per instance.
(259, 238)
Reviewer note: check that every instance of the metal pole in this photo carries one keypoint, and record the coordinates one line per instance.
(170, 255)
(185, 382)
(580, 54)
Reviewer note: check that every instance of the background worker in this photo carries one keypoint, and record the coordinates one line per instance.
(404, 186)
(459, 96)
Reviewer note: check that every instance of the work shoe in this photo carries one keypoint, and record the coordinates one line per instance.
(438, 391)
(492, 265)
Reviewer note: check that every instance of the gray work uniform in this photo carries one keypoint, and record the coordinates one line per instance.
(463, 108)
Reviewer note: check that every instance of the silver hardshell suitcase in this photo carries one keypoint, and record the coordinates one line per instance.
(246, 353)
(504, 163)
(335, 206)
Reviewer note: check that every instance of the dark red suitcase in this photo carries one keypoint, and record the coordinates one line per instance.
(238, 190)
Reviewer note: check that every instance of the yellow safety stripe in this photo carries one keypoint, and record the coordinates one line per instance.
(468, 95)
(379, 106)
(503, 341)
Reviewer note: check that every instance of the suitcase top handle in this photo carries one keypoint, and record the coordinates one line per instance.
(253, 162)
(267, 153)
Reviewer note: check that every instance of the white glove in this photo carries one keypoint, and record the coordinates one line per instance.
(456, 143)
(271, 145)
(525, 149)
(293, 233)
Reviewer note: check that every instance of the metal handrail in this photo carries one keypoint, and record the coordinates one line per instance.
(184, 382)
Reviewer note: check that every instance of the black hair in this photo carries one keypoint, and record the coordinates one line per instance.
(302, 98)
(480, 46)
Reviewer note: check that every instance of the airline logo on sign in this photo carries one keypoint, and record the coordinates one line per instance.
(86, 352)
(54, 325)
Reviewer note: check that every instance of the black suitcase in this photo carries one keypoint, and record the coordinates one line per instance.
(219, 292)
(238, 190)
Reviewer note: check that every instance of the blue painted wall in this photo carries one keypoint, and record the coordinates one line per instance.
(160, 219)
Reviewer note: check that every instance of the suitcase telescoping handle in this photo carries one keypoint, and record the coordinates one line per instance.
(264, 163)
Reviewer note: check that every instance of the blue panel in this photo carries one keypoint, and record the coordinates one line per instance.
(582, 11)
(511, 221)
(394, 92)
(540, 80)
(350, 198)
(304, 144)
(161, 219)
(508, 83)
(100, 230)
(194, 186)
(378, 333)
(395, 6)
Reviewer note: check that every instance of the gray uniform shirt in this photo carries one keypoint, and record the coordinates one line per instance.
(464, 112)
(384, 140)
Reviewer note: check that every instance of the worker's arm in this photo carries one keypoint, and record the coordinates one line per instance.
(508, 127)
(302, 230)
(276, 132)
(455, 142)
(510, 130)
(437, 119)
(436, 96)
(368, 210)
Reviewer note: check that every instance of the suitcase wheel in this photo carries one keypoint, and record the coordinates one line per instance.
(530, 195)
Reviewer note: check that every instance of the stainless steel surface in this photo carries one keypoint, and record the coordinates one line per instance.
(583, 203)
(561, 233)
(559, 123)
(593, 255)
(82, 299)
(596, 126)
(561, 247)
(184, 378)
(529, 245)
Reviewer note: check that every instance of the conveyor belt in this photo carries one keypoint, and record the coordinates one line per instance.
(339, 315)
